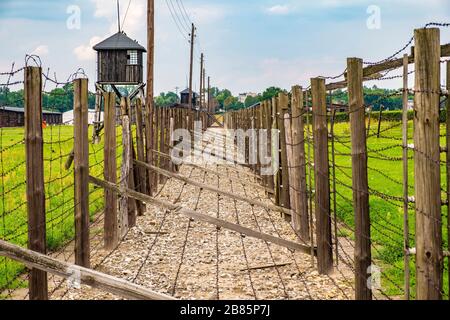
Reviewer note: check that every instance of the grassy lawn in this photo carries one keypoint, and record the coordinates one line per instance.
(386, 213)
(59, 192)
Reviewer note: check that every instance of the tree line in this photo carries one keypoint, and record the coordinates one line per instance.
(61, 99)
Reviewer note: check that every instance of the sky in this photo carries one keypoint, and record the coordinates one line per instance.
(249, 45)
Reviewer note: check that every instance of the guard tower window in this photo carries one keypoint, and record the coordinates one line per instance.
(132, 57)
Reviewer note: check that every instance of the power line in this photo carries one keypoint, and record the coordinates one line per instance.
(126, 14)
(177, 16)
(184, 15)
(175, 21)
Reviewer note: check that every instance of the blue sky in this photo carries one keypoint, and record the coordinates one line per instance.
(249, 45)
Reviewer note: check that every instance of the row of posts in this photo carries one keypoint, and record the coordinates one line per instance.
(289, 185)
(151, 143)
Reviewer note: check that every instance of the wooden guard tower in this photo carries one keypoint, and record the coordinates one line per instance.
(119, 63)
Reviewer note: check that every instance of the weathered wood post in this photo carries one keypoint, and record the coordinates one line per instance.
(283, 107)
(363, 256)
(110, 172)
(81, 165)
(276, 152)
(141, 149)
(448, 168)
(429, 257)
(299, 193)
(322, 174)
(34, 151)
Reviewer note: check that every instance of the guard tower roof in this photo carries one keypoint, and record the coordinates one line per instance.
(119, 41)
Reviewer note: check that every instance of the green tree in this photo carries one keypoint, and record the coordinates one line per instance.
(271, 92)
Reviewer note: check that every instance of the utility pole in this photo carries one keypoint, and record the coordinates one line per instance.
(204, 85)
(201, 80)
(209, 94)
(149, 101)
(191, 66)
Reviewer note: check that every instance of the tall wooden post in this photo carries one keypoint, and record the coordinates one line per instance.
(149, 130)
(429, 258)
(283, 107)
(142, 187)
(276, 151)
(81, 164)
(110, 172)
(448, 169)
(191, 69)
(406, 178)
(34, 151)
(298, 166)
(363, 256)
(322, 174)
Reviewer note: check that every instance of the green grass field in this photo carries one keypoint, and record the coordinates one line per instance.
(59, 192)
(385, 177)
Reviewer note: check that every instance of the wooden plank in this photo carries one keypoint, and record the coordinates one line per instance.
(322, 174)
(81, 164)
(299, 192)
(202, 217)
(34, 152)
(429, 258)
(215, 190)
(275, 150)
(363, 256)
(75, 273)
(371, 72)
(111, 238)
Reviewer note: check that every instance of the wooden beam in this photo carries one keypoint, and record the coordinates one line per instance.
(75, 273)
(373, 71)
(212, 189)
(202, 217)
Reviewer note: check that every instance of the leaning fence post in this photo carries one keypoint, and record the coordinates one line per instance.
(429, 256)
(322, 175)
(110, 172)
(81, 165)
(142, 181)
(363, 256)
(34, 145)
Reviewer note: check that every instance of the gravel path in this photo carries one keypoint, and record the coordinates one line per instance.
(174, 255)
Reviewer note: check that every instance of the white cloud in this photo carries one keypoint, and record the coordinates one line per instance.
(85, 52)
(278, 10)
(41, 50)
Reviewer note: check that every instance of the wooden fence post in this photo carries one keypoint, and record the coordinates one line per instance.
(322, 174)
(276, 152)
(299, 193)
(363, 256)
(149, 135)
(81, 165)
(110, 172)
(448, 169)
(34, 151)
(142, 182)
(283, 106)
(429, 257)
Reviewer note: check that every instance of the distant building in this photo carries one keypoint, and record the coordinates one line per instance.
(185, 97)
(243, 96)
(15, 117)
(67, 117)
(410, 105)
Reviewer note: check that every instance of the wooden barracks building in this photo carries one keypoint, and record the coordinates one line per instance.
(15, 117)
